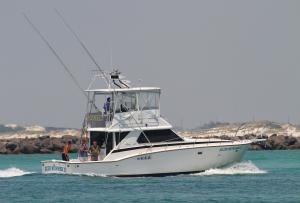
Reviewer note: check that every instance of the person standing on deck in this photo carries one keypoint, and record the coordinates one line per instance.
(65, 154)
(83, 151)
(95, 151)
(106, 106)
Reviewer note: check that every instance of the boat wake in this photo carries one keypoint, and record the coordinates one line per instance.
(88, 174)
(246, 167)
(13, 172)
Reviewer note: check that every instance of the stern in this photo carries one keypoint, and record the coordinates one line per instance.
(54, 166)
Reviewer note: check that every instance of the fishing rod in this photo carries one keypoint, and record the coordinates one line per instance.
(58, 58)
(82, 44)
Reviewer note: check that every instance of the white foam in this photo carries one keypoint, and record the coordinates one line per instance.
(12, 172)
(88, 174)
(246, 167)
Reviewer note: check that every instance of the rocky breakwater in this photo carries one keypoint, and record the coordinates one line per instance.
(278, 142)
(279, 136)
(36, 139)
(16, 139)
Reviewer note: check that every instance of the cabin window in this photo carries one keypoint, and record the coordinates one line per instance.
(159, 136)
(148, 100)
(120, 136)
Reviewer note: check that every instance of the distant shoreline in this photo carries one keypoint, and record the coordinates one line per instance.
(15, 139)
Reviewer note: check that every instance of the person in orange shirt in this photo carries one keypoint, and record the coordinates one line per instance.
(65, 154)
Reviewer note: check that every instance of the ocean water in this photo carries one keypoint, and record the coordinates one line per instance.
(263, 176)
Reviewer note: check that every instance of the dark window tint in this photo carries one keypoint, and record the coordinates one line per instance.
(102, 137)
(158, 136)
(120, 136)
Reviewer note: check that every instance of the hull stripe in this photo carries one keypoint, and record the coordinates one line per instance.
(164, 145)
(159, 174)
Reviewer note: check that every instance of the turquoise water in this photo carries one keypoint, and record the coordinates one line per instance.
(263, 176)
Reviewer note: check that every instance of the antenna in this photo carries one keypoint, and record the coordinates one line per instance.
(55, 54)
(111, 58)
(82, 44)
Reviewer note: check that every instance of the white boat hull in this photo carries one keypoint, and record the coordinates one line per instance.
(187, 159)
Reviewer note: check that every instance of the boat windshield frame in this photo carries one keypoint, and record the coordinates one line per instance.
(121, 101)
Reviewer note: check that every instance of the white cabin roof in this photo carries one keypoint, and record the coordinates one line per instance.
(132, 89)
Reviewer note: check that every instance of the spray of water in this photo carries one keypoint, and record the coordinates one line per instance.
(246, 167)
(13, 172)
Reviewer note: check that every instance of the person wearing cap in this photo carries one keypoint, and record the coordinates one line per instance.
(65, 154)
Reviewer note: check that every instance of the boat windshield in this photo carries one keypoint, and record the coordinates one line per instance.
(125, 101)
(103, 106)
(148, 100)
(133, 101)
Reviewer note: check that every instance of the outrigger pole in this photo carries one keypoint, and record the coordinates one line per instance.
(58, 58)
(56, 55)
(61, 62)
(82, 45)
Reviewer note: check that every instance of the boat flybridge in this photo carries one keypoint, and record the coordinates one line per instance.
(137, 140)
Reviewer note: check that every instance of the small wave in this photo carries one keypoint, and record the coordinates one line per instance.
(246, 167)
(12, 172)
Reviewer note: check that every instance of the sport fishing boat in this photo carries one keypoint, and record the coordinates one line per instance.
(137, 140)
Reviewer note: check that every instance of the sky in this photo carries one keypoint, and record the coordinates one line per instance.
(226, 61)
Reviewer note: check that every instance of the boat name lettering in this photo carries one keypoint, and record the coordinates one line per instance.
(144, 157)
(55, 168)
